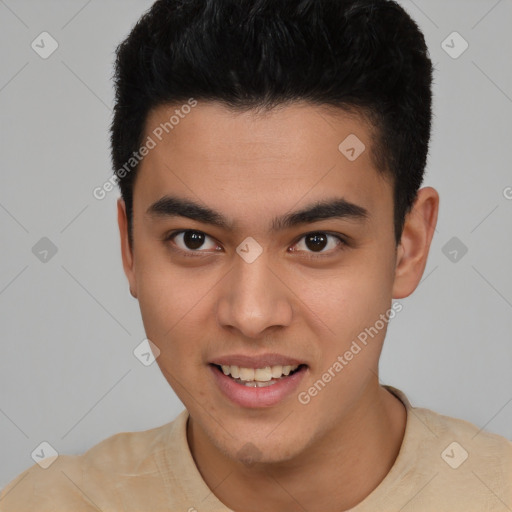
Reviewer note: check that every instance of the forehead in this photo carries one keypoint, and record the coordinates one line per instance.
(297, 131)
(254, 161)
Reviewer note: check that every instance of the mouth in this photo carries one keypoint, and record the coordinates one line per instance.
(259, 377)
(265, 386)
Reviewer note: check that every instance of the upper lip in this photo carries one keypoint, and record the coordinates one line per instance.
(256, 361)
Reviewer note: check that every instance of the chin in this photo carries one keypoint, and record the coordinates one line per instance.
(258, 450)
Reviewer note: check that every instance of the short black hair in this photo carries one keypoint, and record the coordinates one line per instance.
(366, 56)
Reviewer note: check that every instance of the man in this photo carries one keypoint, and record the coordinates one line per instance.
(270, 157)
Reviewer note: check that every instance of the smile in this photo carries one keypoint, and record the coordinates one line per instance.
(258, 377)
(257, 387)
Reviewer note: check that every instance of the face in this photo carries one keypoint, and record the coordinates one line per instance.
(258, 275)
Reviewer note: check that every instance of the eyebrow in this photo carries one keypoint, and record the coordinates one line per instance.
(337, 208)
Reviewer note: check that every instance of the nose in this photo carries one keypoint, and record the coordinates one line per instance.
(254, 299)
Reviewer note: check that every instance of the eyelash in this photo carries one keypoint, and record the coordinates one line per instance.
(200, 254)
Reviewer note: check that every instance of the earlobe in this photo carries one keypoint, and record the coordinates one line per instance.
(126, 249)
(412, 252)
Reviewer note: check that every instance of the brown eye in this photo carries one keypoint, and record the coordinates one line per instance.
(317, 241)
(193, 239)
(189, 241)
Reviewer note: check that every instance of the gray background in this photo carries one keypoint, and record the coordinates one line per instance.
(69, 325)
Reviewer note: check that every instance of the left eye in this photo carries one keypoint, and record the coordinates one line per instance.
(317, 241)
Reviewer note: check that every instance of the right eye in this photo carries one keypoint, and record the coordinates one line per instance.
(188, 241)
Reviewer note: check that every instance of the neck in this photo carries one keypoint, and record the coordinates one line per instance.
(336, 473)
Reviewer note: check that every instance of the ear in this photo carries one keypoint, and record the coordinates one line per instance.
(414, 246)
(126, 249)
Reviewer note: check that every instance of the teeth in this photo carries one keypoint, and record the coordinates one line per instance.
(246, 374)
(255, 384)
(263, 374)
(277, 371)
(258, 375)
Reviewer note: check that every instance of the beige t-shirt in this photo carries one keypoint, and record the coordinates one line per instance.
(444, 465)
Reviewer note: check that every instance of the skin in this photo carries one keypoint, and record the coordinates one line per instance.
(327, 455)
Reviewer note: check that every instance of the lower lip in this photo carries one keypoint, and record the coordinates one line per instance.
(267, 396)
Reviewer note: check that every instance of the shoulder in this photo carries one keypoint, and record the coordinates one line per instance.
(428, 428)
(476, 440)
(88, 481)
(128, 452)
(42, 489)
(447, 463)
(470, 466)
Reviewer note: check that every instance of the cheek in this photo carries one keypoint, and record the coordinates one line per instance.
(350, 301)
(162, 299)
(163, 291)
(175, 309)
(158, 299)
